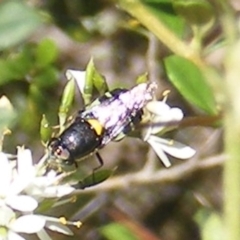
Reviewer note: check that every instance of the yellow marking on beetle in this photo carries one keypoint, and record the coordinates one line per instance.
(96, 126)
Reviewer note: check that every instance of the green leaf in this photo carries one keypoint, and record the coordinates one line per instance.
(47, 78)
(88, 88)
(116, 231)
(7, 73)
(46, 53)
(45, 129)
(36, 97)
(66, 102)
(95, 178)
(15, 67)
(22, 62)
(195, 12)
(93, 79)
(190, 82)
(17, 22)
(100, 83)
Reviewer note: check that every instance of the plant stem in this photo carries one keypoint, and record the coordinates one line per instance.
(232, 146)
(164, 34)
(163, 176)
(231, 175)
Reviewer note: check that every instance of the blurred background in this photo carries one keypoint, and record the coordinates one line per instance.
(40, 40)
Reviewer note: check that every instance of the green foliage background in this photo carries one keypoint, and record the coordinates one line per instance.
(191, 47)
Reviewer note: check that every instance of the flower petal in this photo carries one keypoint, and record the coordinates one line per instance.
(156, 127)
(5, 174)
(59, 227)
(28, 224)
(43, 235)
(46, 187)
(164, 112)
(174, 148)
(176, 114)
(19, 184)
(157, 107)
(158, 150)
(25, 164)
(53, 191)
(14, 236)
(25, 174)
(6, 215)
(78, 76)
(22, 203)
(161, 114)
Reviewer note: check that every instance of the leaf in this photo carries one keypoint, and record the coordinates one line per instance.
(17, 22)
(190, 82)
(7, 73)
(197, 12)
(46, 53)
(95, 178)
(88, 87)
(46, 78)
(16, 66)
(45, 129)
(116, 231)
(93, 79)
(66, 101)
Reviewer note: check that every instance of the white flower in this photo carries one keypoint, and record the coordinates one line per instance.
(11, 187)
(40, 184)
(162, 120)
(22, 188)
(11, 225)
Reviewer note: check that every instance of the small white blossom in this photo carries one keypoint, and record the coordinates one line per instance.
(40, 185)
(161, 115)
(11, 225)
(23, 186)
(11, 187)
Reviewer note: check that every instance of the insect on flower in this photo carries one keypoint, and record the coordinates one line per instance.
(108, 118)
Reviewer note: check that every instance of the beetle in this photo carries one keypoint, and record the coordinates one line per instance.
(108, 118)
